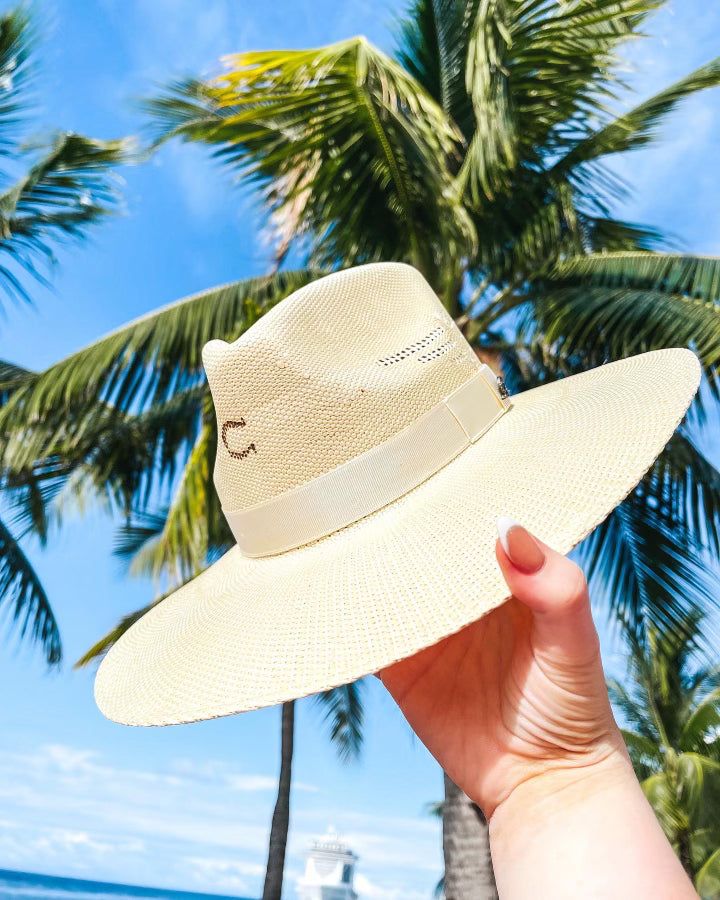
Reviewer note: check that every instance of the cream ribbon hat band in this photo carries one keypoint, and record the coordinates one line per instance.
(370, 481)
(364, 454)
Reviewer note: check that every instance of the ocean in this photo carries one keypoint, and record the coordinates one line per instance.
(26, 886)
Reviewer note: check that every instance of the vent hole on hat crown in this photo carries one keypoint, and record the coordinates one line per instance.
(437, 351)
(415, 347)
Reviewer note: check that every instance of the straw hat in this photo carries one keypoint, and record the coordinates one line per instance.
(364, 456)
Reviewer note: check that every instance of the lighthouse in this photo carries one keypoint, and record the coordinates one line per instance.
(329, 870)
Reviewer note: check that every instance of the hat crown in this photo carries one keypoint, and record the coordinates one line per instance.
(331, 371)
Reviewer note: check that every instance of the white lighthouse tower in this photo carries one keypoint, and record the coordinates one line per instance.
(329, 870)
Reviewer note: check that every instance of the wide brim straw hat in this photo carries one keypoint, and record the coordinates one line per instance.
(364, 456)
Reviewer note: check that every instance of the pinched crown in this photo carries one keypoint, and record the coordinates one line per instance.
(335, 369)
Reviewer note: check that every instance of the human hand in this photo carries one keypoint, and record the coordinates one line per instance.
(520, 693)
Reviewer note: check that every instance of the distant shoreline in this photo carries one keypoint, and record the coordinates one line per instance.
(72, 885)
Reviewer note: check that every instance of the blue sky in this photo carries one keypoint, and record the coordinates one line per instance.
(189, 806)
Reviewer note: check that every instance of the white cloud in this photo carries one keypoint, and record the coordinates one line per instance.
(20, 843)
(369, 890)
(203, 824)
(231, 866)
(72, 808)
(227, 875)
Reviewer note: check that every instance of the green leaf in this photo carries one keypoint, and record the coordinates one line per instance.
(126, 457)
(179, 543)
(18, 42)
(23, 599)
(492, 150)
(537, 72)
(707, 880)
(65, 190)
(434, 39)
(627, 303)
(688, 486)
(344, 713)
(645, 567)
(696, 277)
(143, 363)
(642, 746)
(634, 708)
(704, 718)
(101, 647)
(343, 142)
(637, 127)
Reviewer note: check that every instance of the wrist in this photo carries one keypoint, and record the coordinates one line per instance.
(581, 831)
(564, 782)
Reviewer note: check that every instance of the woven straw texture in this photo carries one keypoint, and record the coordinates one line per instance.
(335, 369)
(253, 632)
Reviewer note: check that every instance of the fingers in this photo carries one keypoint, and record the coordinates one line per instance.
(553, 588)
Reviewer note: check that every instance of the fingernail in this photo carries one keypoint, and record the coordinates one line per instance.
(522, 548)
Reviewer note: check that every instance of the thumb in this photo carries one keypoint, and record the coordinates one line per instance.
(554, 589)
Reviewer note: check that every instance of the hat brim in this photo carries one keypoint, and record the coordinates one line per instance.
(254, 632)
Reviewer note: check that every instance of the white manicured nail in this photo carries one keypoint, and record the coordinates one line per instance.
(504, 524)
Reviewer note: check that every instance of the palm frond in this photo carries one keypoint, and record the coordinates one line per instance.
(645, 755)
(434, 808)
(492, 151)
(180, 542)
(634, 708)
(647, 569)
(18, 40)
(68, 188)
(187, 108)
(344, 713)
(29, 497)
(433, 46)
(11, 377)
(606, 235)
(642, 746)
(126, 457)
(141, 364)
(23, 599)
(704, 681)
(637, 127)
(698, 782)
(695, 277)
(707, 880)
(686, 489)
(536, 71)
(344, 143)
(626, 303)
(662, 797)
(704, 718)
(101, 647)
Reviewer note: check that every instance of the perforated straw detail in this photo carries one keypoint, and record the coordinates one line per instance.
(434, 354)
(412, 348)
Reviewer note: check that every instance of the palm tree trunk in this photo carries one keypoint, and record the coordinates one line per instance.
(683, 842)
(272, 890)
(466, 847)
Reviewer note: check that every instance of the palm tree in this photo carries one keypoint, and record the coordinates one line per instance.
(64, 188)
(466, 842)
(476, 153)
(672, 708)
(466, 848)
(345, 712)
